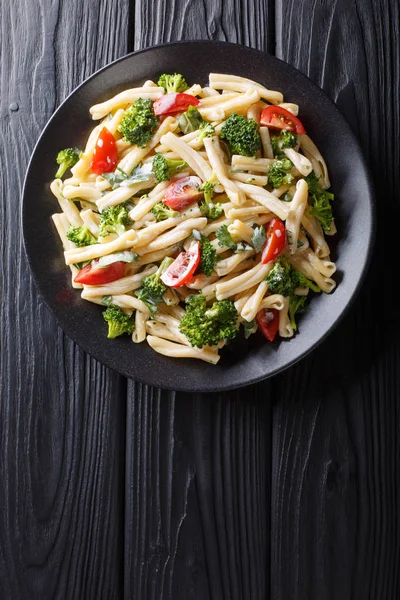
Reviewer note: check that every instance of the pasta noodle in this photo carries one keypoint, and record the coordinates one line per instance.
(184, 241)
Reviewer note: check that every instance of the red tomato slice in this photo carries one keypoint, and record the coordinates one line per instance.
(183, 192)
(268, 322)
(276, 239)
(169, 104)
(183, 267)
(105, 153)
(94, 275)
(276, 117)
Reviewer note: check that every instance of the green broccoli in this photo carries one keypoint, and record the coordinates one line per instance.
(301, 281)
(207, 326)
(210, 209)
(286, 139)
(319, 201)
(242, 134)
(161, 212)
(118, 321)
(206, 130)
(153, 289)
(81, 236)
(114, 219)
(296, 304)
(191, 120)
(139, 122)
(172, 83)
(208, 256)
(164, 168)
(277, 175)
(66, 159)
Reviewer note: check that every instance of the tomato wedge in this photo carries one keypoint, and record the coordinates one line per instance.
(105, 153)
(276, 239)
(276, 117)
(268, 322)
(92, 274)
(183, 192)
(183, 267)
(169, 104)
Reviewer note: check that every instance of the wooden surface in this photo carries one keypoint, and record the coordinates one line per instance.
(286, 490)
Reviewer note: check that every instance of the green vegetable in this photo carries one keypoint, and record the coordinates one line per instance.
(81, 236)
(286, 139)
(250, 327)
(114, 219)
(208, 256)
(242, 134)
(258, 238)
(139, 122)
(301, 281)
(153, 289)
(191, 120)
(66, 159)
(161, 212)
(296, 304)
(277, 175)
(164, 168)
(206, 130)
(119, 178)
(320, 202)
(210, 209)
(172, 83)
(207, 326)
(118, 321)
(225, 238)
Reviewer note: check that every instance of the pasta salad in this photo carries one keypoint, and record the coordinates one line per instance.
(195, 212)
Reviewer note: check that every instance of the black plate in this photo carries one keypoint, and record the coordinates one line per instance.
(243, 362)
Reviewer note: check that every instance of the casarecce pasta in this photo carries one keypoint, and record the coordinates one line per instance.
(195, 212)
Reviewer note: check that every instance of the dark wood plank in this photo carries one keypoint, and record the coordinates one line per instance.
(197, 505)
(335, 482)
(62, 415)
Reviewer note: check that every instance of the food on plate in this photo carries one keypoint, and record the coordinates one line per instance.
(195, 213)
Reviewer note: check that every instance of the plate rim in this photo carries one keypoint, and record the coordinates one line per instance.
(371, 234)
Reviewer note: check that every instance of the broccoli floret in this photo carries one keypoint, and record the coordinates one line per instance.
(164, 168)
(153, 289)
(207, 326)
(118, 321)
(242, 134)
(301, 281)
(139, 122)
(66, 159)
(296, 304)
(161, 212)
(277, 175)
(210, 209)
(279, 279)
(173, 83)
(114, 219)
(206, 130)
(191, 120)
(208, 256)
(286, 139)
(81, 236)
(319, 200)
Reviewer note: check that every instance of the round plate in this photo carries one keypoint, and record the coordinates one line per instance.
(244, 361)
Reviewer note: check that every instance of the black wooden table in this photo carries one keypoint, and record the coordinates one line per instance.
(288, 489)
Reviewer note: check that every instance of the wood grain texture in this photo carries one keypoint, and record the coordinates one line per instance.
(335, 492)
(197, 504)
(62, 415)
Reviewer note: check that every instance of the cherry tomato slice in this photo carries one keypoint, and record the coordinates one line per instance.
(276, 117)
(183, 192)
(169, 104)
(94, 275)
(276, 239)
(183, 267)
(105, 153)
(268, 322)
